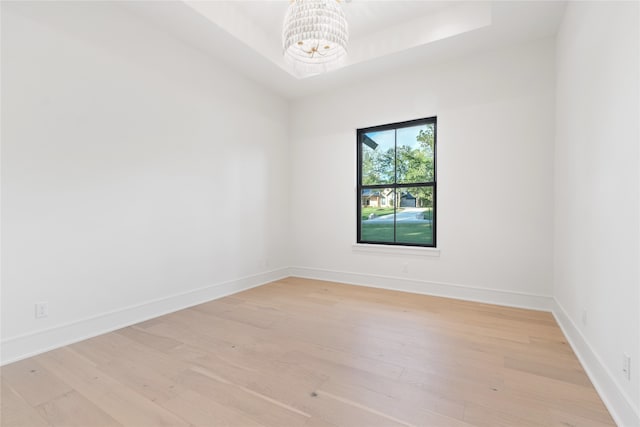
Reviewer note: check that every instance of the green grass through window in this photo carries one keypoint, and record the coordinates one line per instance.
(419, 233)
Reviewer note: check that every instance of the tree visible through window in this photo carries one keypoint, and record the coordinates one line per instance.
(397, 183)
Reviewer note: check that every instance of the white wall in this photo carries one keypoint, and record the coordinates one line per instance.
(138, 175)
(495, 169)
(597, 217)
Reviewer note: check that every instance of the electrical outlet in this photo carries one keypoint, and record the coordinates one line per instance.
(42, 309)
(626, 366)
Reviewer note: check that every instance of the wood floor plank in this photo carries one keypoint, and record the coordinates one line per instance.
(144, 379)
(34, 382)
(15, 411)
(560, 418)
(492, 395)
(74, 410)
(260, 408)
(302, 352)
(573, 374)
(483, 416)
(204, 411)
(405, 411)
(558, 395)
(284, 384)
(116, 399)
(401, 391)
(149, 339)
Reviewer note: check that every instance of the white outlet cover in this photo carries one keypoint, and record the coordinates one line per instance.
(42, 309)
(626, 366)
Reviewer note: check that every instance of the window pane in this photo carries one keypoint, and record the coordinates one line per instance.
(415, 154)
(376, 215)
(378, 157)
(414, 217)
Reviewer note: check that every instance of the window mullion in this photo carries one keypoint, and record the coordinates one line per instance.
(395, 183)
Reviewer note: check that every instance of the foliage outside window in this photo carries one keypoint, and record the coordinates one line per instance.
(397, 183)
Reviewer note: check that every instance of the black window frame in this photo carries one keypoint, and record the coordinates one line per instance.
(395, 126)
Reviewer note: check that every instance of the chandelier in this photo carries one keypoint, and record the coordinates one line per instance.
(314, 36)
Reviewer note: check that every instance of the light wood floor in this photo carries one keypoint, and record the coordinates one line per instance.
(309, 353)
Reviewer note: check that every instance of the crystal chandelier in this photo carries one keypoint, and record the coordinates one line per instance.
(314, 36)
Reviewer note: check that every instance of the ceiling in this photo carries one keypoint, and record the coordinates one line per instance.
(363, 16)
(385, 35)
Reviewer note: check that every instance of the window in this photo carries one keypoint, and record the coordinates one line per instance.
(397, 183)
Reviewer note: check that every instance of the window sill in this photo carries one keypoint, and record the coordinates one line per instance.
(395, 250)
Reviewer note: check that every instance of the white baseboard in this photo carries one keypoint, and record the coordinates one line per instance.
(619, 405)
(448, 290)
(23, 346)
